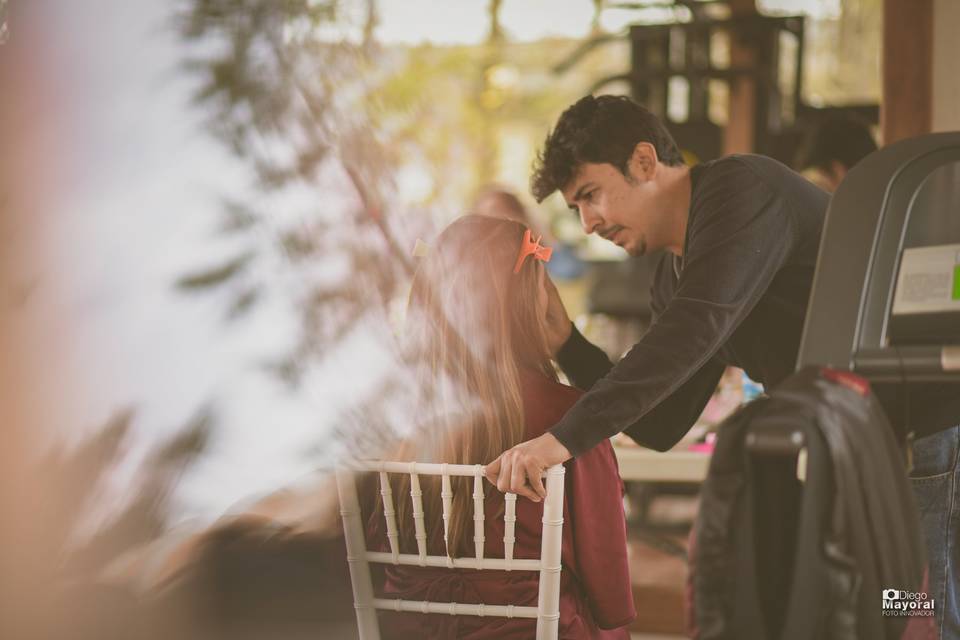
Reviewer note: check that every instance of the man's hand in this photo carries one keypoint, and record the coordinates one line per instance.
(519, 469)
(558, 322)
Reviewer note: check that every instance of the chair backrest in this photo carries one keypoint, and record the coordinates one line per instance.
(547, 611)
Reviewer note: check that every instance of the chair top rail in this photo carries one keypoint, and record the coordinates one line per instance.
(455, 608)
(466, 562)
(421, 468)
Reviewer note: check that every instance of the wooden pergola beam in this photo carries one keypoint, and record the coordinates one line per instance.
(906, 108)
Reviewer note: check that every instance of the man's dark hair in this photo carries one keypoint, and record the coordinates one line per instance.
(601, 129)
(844, 139)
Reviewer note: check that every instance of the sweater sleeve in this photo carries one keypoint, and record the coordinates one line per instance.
(582, 361)
(741, 235)
(666, 423)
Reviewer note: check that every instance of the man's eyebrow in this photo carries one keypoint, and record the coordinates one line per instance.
(579, 193)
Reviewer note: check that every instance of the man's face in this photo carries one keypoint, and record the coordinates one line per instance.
(625, 211)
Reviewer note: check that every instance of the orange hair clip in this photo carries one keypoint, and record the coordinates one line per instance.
(532, 248)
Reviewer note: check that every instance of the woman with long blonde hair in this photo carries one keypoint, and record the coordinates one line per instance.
(480, 351)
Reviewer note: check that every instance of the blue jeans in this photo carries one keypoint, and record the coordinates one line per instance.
(936, 485)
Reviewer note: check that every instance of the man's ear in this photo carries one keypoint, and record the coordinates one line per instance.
(643, 161)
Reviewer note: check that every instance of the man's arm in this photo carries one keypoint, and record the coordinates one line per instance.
(663, 426)
(740, 238)
(582, 361)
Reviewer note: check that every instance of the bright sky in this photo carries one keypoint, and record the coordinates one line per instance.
(465, 21)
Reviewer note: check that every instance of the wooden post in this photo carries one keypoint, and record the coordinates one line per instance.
(738, 134)
(946, 80)
(907, 104)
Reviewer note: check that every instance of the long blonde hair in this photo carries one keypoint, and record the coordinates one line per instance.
(473, 324)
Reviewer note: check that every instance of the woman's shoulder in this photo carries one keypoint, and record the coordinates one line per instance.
(544, 401)
(535, 385)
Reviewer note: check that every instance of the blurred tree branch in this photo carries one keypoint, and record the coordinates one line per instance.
(286, 96)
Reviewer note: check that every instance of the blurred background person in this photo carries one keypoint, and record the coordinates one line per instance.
(832, 148)
(499, 202)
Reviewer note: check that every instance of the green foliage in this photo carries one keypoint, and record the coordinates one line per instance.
(287, 99)
(237, 216)
(843, 56)
(216, 276)
(243, 303)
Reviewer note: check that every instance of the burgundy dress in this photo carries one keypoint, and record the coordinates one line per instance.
(595, 596)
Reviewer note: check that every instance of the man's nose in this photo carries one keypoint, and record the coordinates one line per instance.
(589, 220)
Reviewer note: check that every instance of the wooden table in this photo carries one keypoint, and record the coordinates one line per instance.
(645, 465)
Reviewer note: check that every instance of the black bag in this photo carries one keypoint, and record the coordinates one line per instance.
(780, 557)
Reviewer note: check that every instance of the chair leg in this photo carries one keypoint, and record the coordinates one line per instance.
(356, 557)
(548, 614)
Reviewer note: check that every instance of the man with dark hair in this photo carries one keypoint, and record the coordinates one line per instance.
(741, 236)
(832, 148)
(601, 130)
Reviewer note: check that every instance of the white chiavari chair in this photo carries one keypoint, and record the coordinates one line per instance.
(547, 611)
